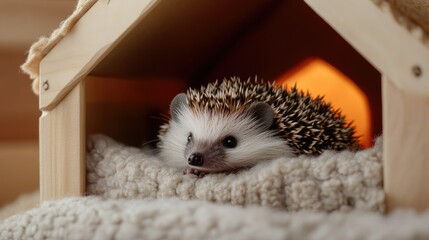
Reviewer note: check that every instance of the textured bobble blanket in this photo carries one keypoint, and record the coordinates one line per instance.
(337, 195)
(330, 182)
(97, 218)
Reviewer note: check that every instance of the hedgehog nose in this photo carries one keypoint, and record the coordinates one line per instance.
(196, 159)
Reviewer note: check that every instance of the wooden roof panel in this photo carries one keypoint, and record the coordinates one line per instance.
(177, 38)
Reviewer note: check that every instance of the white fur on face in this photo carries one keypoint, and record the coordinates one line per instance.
(253, 144)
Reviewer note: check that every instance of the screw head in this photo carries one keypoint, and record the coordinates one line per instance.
(45, 85)
(417, 71)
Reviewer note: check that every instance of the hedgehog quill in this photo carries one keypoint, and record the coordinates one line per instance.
(233, 124)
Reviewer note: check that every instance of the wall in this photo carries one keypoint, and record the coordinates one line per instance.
(21, 23)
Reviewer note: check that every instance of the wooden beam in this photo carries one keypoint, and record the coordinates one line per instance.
(374, 32)
(396, 53)
(93, 36)
(184, 38)
(62, 147)
(406, 148)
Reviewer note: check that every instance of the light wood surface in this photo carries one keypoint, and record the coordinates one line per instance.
(406, 148)
(375, 33)
(62, 147)
(175, 39)
(94, 35)
(396, 53)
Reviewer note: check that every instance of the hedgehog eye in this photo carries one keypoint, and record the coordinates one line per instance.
(189, 137)
(229, 142)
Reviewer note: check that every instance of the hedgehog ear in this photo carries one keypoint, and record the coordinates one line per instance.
(179, 101)
(263, 113)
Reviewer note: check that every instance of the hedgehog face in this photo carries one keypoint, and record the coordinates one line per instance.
(218, 141)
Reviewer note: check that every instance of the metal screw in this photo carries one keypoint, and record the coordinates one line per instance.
(417, 71)
(45, 85)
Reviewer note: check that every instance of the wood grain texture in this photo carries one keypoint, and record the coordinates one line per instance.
(62, 147)
(380, 39)
(93, 36)
(406, 148)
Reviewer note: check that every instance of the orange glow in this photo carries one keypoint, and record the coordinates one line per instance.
(320, 78)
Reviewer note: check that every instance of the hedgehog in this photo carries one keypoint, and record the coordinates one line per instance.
(230, 125)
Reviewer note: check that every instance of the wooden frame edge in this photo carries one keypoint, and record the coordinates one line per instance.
(82, 48)
(405, 148)
(62, 147)
(381, 40)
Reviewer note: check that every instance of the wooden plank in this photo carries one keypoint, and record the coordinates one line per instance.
(62, 147)
(406, 148)
(201, 38)
(93, 36)
(375, 33)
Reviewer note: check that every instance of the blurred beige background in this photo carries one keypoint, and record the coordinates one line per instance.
(21, 23)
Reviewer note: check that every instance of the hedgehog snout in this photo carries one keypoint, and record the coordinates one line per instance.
(196, 159)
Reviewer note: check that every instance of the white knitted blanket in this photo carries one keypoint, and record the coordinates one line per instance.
(140, 198)
(333, 181)
(97, 218)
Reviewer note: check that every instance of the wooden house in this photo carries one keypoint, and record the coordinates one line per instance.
(121, 63)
